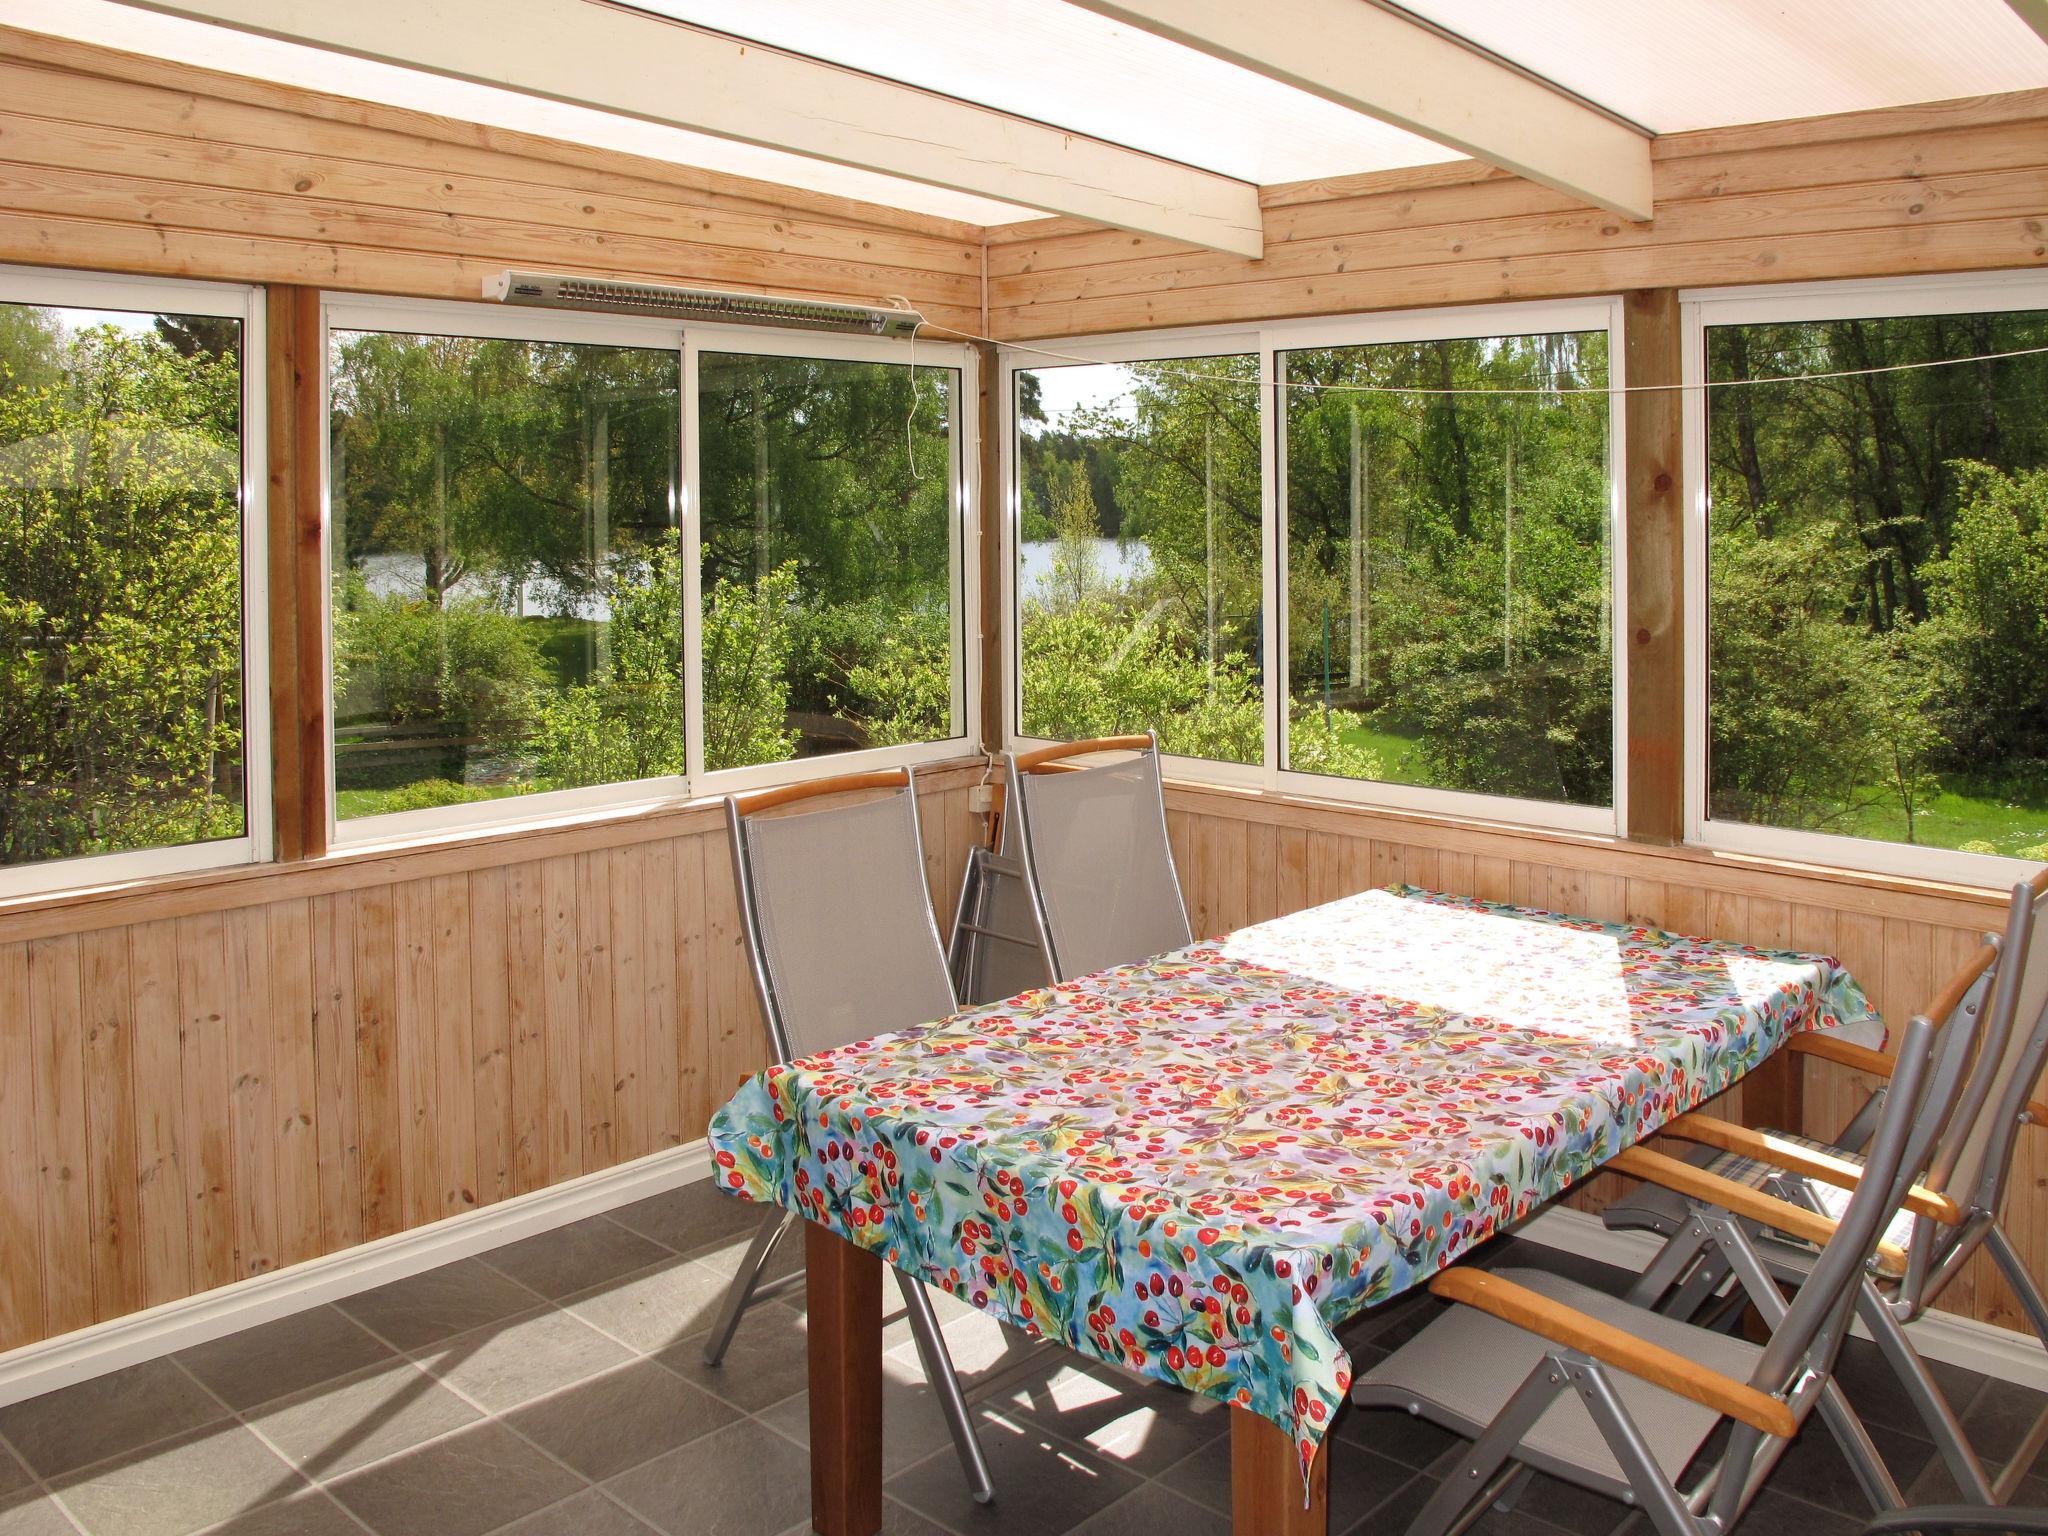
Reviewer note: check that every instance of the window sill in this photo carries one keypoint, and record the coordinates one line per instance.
(455, 851)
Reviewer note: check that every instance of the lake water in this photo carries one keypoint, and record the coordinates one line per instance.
(1113, 562)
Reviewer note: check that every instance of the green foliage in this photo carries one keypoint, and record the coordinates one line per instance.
(626, 722)
(420, 795)
(904, 689)
(120, 605)
(462, 666)
(747, 645)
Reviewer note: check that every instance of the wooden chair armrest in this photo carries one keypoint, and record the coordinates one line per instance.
(1842, 1052)
(1805, 1162)
(1740, 1200)
(1661, 1367)
(2037, 1111)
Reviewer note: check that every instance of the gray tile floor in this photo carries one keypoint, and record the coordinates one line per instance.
(556, 1386)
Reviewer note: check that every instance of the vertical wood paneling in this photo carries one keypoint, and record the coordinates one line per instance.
(335, 1070)
(378, 1112)
(661, 1060)
(56, 1016)
(294, 1079)
(454, 1118)
(564, 1098)
(416, 1039)
(490, 998)
(695, 1090)
(204, 1055)
(251, 1101)
(21, 1277)
(594, 1006)
(108, 998)
(628, 889)
(526, 969)
(160, 1113)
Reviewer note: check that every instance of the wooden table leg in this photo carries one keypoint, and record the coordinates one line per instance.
(1265, 1481)
(844, 1286)
(1774, 1095)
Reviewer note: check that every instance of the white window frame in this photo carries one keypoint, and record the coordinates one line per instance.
(1145, 347)
(1268, 342)
(94, 290)
(500, 322)
(962, 529)
(1793, 303)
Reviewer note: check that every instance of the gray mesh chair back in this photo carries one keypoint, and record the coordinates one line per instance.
(1985, 1159)
(839, 921)
(1096, 855)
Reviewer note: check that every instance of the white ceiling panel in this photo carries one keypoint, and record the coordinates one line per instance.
(1671, 65)
(1060, 64)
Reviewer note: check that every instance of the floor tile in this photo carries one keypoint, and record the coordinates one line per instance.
(1359, 1481)
(425, 1308)
(766, 1362)
(1404, 1437)
(1879, 1397)
(29, 1512)
(311, 1513)
(1143, 1426)
(693, 1217)
(522, 1357)
(897, 1520)
(743, 1480)
(1154, 1511)
(912, 1425)
(655, 1308)
(286, 1356)
(1043, 1483)
(1814, 1469)
(588, 1513)
(76, 1426)
(468, 1483)
(1398, 1513)
(1773, 1514)
(615, 1421)
(349, 1423)
(1997, 1420)
(178, 1486)
(576, 1257)
(13, 1475)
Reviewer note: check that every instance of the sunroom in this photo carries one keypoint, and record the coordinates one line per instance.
(1090, 766)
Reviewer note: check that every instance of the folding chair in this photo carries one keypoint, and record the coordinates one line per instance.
(1096, 858)
(839, 927)
(1544, 1374)
(995, 951)
(1944, 1221)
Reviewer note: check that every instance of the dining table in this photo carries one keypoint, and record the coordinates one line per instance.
(1197, 1166)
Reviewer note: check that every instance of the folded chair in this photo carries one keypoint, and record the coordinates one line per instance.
(1945, 1220)
(1096, 858)
(1548, 1375)
(995, 951)
(839, 927)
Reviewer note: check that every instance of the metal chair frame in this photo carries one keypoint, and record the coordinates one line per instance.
(973, 932)
(1936, 1251)
(746, 1288)
(1794, 1367)
(1017, 769)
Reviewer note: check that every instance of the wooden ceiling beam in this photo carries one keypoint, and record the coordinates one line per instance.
(612, 58)
(1384, 63)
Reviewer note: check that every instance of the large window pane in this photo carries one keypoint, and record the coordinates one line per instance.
(829, 520)
(1877, 581)
(507, 608)
(1448, 572)
(1138, 566)
(121, 718)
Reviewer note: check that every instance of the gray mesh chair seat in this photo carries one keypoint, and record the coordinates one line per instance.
(838, 924)
(1096, 857)
(1468, 1364)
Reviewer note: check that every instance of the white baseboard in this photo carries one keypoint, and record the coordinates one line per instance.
(1990, 1351)
(161, 1330)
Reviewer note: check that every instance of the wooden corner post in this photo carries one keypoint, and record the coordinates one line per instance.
(295, 424)
(1654, 536)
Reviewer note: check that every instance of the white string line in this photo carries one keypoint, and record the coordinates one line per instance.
(1262, 382)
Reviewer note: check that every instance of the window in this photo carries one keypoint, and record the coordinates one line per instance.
(132, 739)
(1449, 556)
(1137, 561)
(829, 582)
(1874, 554)
(505, 567)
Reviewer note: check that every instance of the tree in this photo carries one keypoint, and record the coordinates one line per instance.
(120, 596)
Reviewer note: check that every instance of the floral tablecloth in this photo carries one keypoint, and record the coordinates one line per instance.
(1198, 1166)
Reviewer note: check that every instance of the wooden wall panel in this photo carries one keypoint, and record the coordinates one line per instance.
(276, 1073)
(115, 162)
(1958, 186)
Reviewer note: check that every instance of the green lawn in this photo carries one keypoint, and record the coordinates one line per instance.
(1965, 812)
(1400, 757)
(425, 794)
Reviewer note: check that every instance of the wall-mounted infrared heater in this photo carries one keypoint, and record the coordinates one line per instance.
(543, 291)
